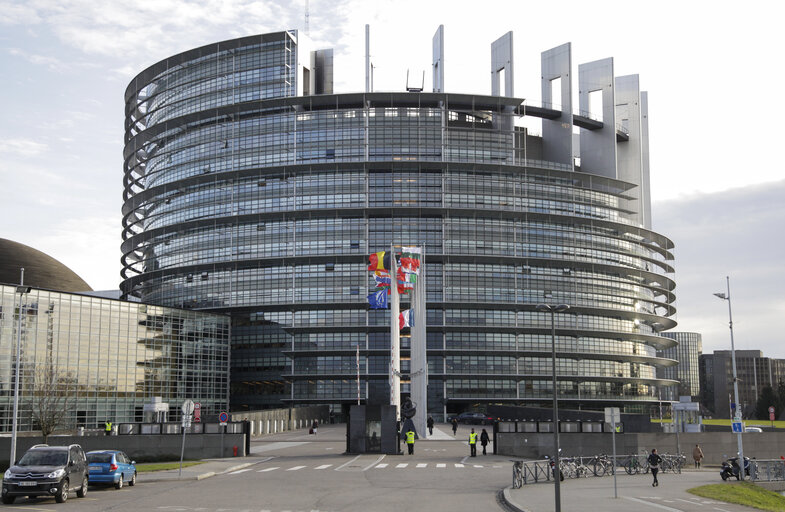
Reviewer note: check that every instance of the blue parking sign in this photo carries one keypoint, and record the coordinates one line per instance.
(737, 428)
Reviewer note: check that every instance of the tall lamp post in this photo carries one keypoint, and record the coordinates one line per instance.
(21, 290)
(557, 473)
(724, 296)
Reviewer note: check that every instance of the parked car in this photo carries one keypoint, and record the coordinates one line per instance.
(752, 429)
(47, 471)
(111, 467)
(472, 418)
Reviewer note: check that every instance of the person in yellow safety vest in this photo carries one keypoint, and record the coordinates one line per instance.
(473, 443)
(410, 441)
(108, 428)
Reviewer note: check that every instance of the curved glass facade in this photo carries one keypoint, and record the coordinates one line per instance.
(241, 196)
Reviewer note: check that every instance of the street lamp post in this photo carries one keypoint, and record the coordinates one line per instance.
(724, 296)
(21, 290)
(557, 473)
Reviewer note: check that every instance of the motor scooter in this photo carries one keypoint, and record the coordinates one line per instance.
(730, 468)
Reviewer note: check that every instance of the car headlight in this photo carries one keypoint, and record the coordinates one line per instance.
(8, 474)
(57, 473)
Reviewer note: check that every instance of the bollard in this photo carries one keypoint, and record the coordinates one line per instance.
(234, 451)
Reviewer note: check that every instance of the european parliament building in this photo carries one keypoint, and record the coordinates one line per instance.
(252, 188)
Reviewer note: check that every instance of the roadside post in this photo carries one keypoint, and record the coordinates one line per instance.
(771, 415)
(223, 418)
(188, 410)
(613, 416)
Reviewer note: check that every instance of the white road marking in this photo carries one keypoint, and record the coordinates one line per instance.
(323, 466)
(441, 465)
(347, 463)
(422, 465)
(459, 465)
(382, 466)
(401, 466)
(372, 464)
(656, 505)
(295, 468)
(268, 469)
(239, 471)
(696, 502)
(477, 466)
(721, 509)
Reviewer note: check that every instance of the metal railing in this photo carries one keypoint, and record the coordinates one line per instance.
(767, 470)
(534, 471)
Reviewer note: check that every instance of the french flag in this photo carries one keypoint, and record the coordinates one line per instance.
(406, 318)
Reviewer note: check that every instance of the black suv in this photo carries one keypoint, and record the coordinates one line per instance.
(47, 471)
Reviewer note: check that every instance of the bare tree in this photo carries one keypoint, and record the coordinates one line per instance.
(50, 398)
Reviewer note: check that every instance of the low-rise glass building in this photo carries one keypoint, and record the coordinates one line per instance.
(251, 188)
(104, 359)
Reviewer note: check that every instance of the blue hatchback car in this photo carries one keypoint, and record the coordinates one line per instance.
(111, 467)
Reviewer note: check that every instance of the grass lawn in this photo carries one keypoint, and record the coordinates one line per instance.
(161, 466)
(742, 493)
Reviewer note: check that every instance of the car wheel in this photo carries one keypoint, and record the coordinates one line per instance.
(82, 492)
(132, 481)
(119, 484)
(8, 500)
(61, 496)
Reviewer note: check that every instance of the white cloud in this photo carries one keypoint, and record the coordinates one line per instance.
(22, 147)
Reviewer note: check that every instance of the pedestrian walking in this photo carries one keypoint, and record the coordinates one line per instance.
(654, 465)
(430, 425)
(697, 456)
(473, 443)
(314, 426)
(454, 426)
(410, 441)
(484, 440)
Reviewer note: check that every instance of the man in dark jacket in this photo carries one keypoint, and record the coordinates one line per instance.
(484, 440)
(430, 425)
(454, 426)
(654, 465)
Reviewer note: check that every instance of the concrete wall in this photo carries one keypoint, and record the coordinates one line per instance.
(715, 445)
(141, 448)
(270, 421)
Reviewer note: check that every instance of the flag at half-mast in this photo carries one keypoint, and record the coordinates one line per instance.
(406, 318)
(379, 261)
(378, 300)
(410, 259)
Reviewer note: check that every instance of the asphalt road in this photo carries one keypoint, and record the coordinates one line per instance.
(295, 471)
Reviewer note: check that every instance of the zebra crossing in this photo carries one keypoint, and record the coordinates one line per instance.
(379, 466)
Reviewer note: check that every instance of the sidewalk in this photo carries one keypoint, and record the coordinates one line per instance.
(211, 467)
(635, 491)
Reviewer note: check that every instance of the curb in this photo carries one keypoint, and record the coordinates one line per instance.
(200, 476)
(508, 501)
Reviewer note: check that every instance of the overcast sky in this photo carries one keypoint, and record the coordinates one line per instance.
(717, 190)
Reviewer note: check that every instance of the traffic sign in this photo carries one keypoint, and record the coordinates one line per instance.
(188, 407)
(737, 427)
(197, 412)
(612, 415)
(771, 410)
(223, 417)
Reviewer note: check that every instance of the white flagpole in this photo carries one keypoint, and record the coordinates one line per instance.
(419, 363)
(395, 339)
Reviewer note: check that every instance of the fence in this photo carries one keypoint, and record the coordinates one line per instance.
(527, 472)
(767, 470)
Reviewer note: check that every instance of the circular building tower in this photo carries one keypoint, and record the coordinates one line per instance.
(251, 188)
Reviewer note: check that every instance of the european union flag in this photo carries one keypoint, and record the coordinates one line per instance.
(378, 300)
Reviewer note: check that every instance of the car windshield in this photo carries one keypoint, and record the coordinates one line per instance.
(44, 458)
(99, 457)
